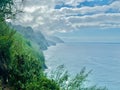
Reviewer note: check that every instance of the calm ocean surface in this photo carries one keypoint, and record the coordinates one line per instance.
(103, 59)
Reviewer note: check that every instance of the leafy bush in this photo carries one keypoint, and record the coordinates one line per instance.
(63, 79)
(42, 84)
(21, 67)
(9, 8)
(6, 40)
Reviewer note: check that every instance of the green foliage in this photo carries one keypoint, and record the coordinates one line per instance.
(63, 79)
(8, 8)
(6, 40)
(42, 84)
(24, 69)
(5, 7)
(21, 67)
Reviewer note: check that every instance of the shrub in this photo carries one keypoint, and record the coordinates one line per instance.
(63, 79)
(21, 67)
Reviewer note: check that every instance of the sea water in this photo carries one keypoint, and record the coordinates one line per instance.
(102, 58)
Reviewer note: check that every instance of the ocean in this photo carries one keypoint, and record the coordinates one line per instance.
(102, 58)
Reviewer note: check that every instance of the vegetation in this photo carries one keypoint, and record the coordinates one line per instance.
(63, 79)
(21, 67)
(9, 8)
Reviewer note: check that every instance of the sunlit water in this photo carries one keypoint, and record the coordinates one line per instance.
(103, 59)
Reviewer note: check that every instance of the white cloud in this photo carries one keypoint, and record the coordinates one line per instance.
(31, 9)
(69, 2)
(90, 10)
(98, 20)
(41, 14)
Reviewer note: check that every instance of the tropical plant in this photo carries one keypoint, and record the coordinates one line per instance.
(63, 79)
(6, 40)
(21, 67)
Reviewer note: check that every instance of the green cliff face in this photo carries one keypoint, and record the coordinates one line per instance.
(21, 65)
(36, 37)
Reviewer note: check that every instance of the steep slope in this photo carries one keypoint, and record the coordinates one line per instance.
(35, 37)
(53, 40)
(21, 66)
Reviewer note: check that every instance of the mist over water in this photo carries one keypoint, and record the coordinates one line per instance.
(102, 58)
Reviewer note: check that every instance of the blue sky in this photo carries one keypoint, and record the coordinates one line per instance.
(91, 3)
(93, 34)
(78, 20)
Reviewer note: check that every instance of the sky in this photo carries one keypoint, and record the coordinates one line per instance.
(74, 20)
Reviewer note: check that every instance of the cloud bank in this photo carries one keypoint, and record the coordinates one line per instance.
(42, 15)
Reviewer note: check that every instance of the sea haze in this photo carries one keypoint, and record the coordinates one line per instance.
(102, 58)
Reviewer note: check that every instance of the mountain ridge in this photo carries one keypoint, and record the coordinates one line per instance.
(37, 38)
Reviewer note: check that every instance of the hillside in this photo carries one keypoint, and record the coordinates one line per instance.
(21, 65)
(53, 40)
(36, 38)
